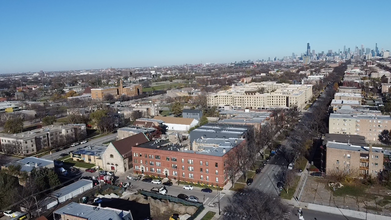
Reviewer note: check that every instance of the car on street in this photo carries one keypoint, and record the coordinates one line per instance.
(64, 155)
(290, 166)
(91, 170)
(126, 185)
(207, 190)
(86, 177)
(102, 172)
(280, 186)
(110, 173)
(249, 181)
(156, 181)
(129, 177)
(316, 174)
(74, 144)
(84, 142)
(58, 163)
(168, 183)
(183, 196)
(192, 199)
(188, 187)
(8, 213)
(258, 171)
(147, 180)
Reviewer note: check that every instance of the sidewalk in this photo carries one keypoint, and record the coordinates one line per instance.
(336, 211)
(302, 182)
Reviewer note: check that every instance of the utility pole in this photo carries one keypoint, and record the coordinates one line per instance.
(219, 201)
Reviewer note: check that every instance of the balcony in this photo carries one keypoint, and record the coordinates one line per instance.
(364, 159)
(364, 168)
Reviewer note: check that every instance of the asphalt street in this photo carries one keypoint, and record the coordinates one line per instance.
(96, 141)
(315, 215)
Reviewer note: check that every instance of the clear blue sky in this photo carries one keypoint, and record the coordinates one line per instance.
(63, 35)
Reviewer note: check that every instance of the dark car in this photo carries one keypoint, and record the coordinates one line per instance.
(207, 190)
(183, 196)
(86, 178)
(148, 180)
(249, 181)
(257, 171)
(64, 155)
(168, 183)
(280, 186)
(316, 174)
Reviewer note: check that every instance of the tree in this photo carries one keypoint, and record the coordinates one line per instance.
(289, 180)
(251, 203)
(14, 125)
(136, 115)
(177, 108)
(108, 98)
(49, 120)
(201, 101)
(71, 94)
(385, 137)
(97, 115)
(231, 167)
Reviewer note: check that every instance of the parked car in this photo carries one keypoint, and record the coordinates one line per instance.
(188, 187)
(316, 174)
(91, 170)
(84, 142)
(148, 180)
(126, 185)
(102, 172)
(257, 171)
(86, 178)
(129, 177)
(280, 186)
(182, 196)
(156, 181)
(8, 213)
(207, 190)
(249, 181)
(74, 144)
(290, 166)
(192, 199)
(110, 173)
(168, 183)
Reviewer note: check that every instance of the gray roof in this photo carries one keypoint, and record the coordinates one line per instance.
(362, 116)
(350, 147)
(137, 129)
(91, 212)
(91, 150)
(192, 111)
(72, 187)
(218, 131)
(29, 163)
(345, 138)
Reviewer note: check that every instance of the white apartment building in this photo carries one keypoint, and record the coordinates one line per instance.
(276, 95)
(348, 96)
(367, 125)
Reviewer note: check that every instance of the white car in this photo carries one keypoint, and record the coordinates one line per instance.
(84, 142)
(156, 181)
(129, 177)
(290, 167)
(110, 173)
(188, 187)
(8, 213)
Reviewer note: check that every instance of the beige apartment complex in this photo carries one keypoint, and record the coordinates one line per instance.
(50, 136)
(359, 161)
(369, 126)
(348, 89)
(348, 97)
(263, 95)
(133, 90)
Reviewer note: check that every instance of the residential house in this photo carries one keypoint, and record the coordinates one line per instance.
(90, 154)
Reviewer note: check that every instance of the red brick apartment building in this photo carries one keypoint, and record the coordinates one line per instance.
(201, 165)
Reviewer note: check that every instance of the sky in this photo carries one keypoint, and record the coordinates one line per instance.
(90, 34)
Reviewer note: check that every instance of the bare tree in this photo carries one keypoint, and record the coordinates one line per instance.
(289, 180)
(231, 167)
(254, 204)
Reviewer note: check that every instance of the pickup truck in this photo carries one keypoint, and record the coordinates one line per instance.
(161, 190)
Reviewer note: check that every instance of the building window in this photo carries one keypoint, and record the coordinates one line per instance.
(158, 171)
(201, 162)
(217, 179)
(191, 168)
(134, 155)
(207, 171)
(191, 176)
(216, 164)
(376, 164)
(145, 156)
(150, 156)
(174, 166)
(337, 161)
(157, 157)
(202, 177)
(377, 157)
(167, 158)
(190, 161)
(174, 159)
(151, 163)
(217, 172)
(348, 155)
(201, 170)
(183, 167)
(141, 154)
(135, 160)
(206, 163)
(183, 160)
(111, 156)
(158, 164)
(152, 169)
(174, 173)
(183, 174)
(141, 161)
(207, 178)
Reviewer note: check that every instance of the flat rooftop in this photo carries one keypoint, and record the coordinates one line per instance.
(137, 129)
(91, 150)
(93, 212)
(29, 163)
(72, 187)
(350, 147)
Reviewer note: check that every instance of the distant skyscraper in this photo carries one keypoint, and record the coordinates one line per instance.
(308, 49)
(376, 50)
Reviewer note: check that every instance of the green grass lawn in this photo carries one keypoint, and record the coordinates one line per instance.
(291, 191)
(65, 158)
(163, 87)
(300, 163)
(250, 174)
(351, 190)
(79, 164)
(209, 215)
(238, 186)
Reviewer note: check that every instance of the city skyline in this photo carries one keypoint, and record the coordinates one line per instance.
(71, 35)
